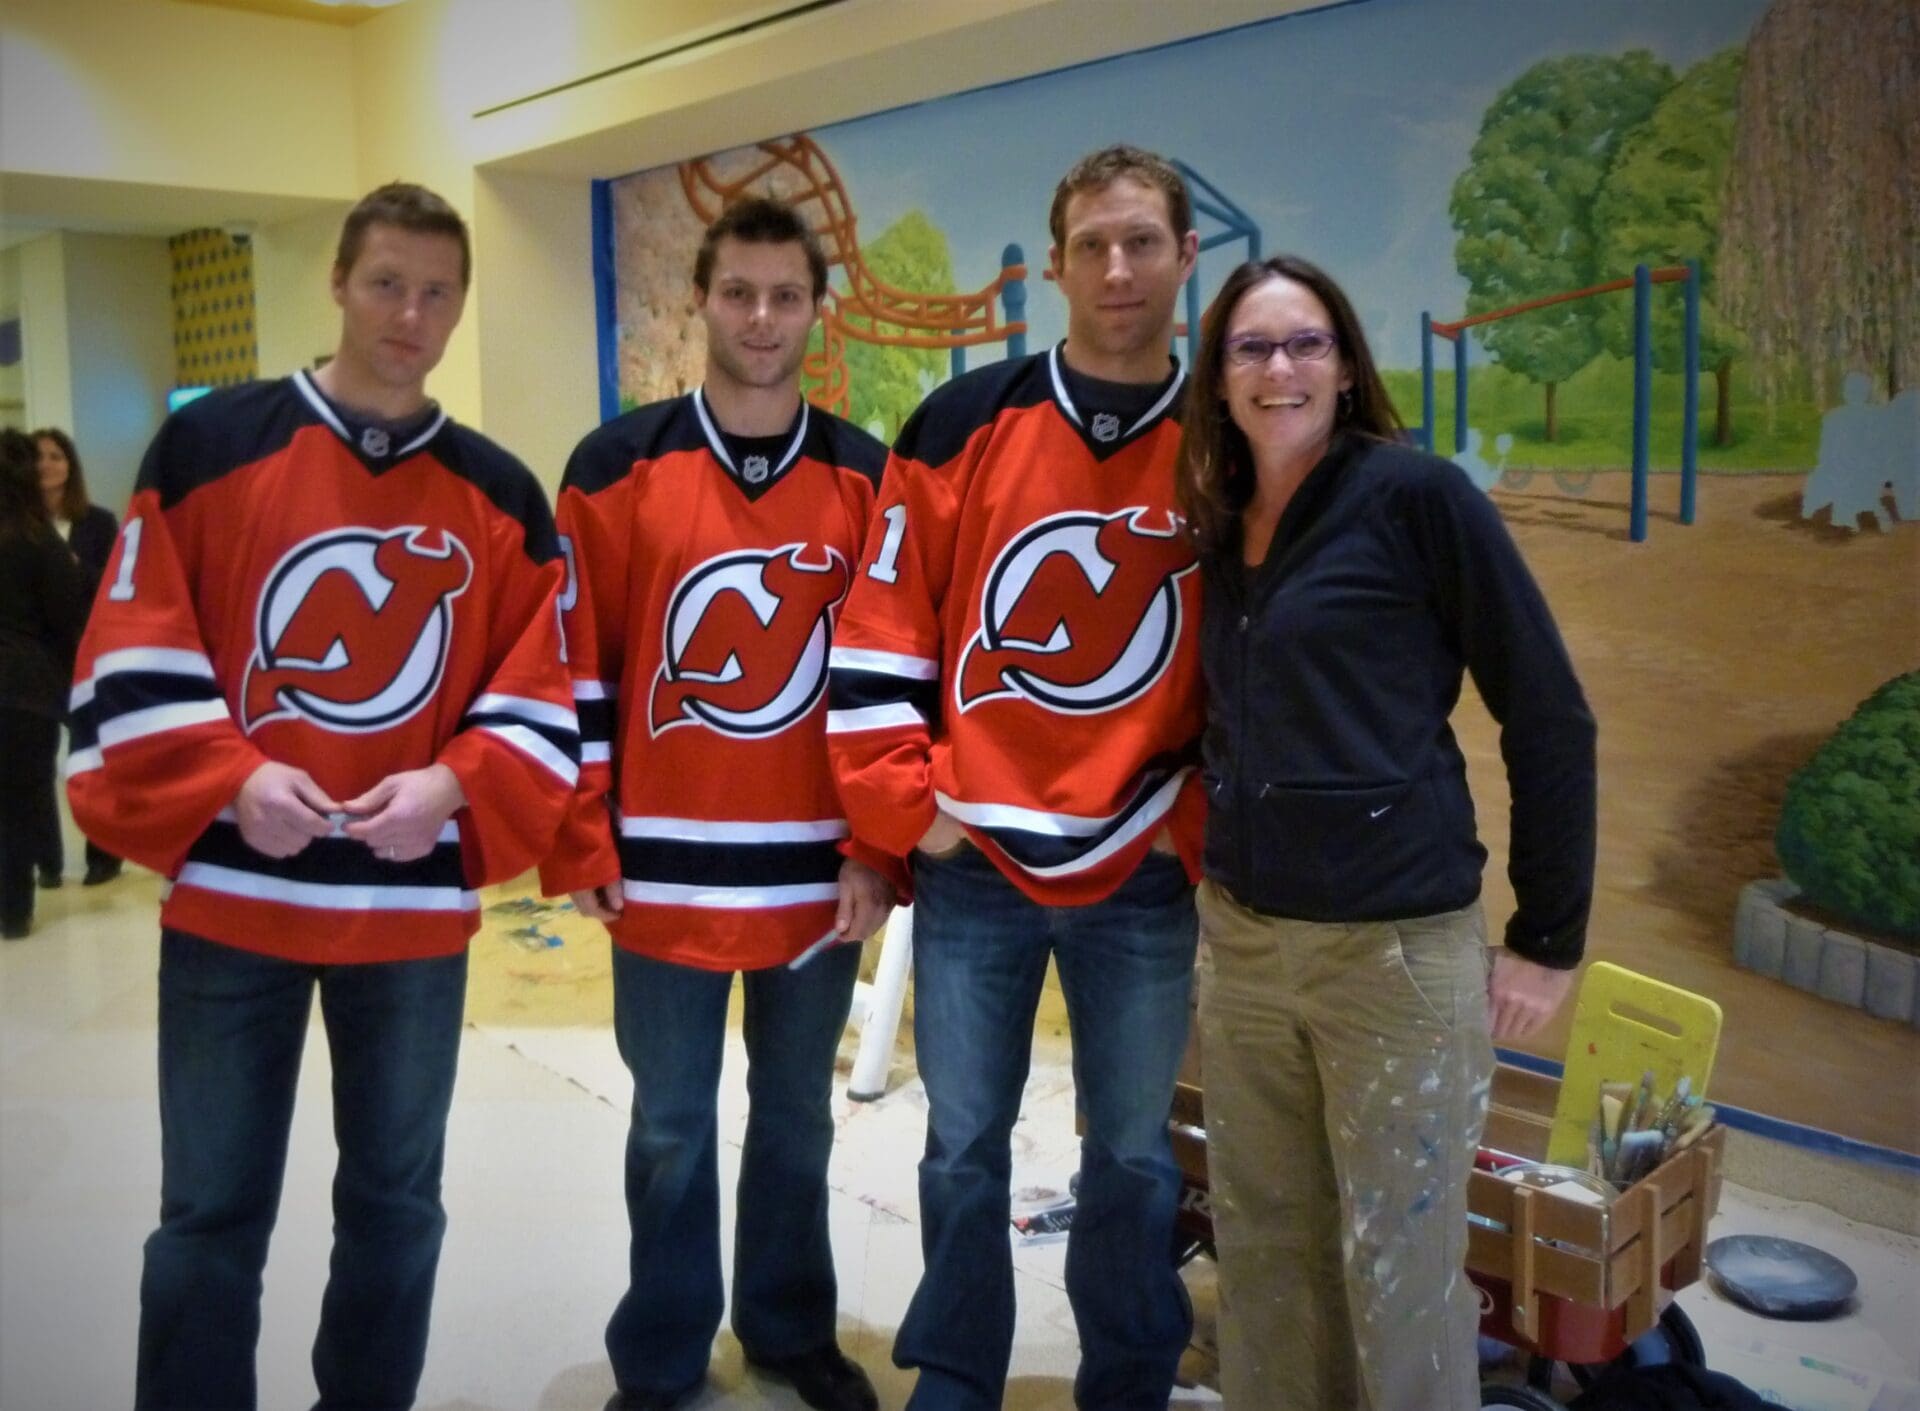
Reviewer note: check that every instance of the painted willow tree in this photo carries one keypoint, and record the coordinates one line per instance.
(1524, 205)
(1820, 229)
(1660, 205)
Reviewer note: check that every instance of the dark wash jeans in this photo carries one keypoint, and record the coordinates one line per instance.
(1126, 969)
(671, 1023)
(232, 1025)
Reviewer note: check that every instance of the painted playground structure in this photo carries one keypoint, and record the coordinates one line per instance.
(1641, 283)
(871, 310)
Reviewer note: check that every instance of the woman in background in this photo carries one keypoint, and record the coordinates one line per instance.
(89, 531)
(1347, 993)
(43, 606)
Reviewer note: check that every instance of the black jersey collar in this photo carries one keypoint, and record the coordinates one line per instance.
(753, 477)
(371, 443)
(1103, 434)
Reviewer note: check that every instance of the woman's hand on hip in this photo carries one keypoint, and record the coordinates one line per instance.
(1522, 996)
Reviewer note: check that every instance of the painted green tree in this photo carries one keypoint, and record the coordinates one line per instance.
(1660, 205)
(1524, 205)
(886, 383)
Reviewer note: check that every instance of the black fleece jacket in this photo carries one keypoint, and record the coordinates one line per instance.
(1338, 791)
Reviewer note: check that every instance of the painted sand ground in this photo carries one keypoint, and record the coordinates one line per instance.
(1717, 658)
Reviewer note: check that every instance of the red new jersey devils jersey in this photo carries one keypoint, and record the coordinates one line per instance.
(289, 588)
(1020, 646)
(698, 639)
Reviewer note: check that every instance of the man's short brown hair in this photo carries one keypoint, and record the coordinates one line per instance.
(761, 220)
(412, 208)
(1098, 170)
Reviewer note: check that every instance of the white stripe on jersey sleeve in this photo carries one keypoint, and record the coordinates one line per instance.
(539, 712)
(885, 663)
(173, 661)
(538, 747)
(136, 724)
(877, 717)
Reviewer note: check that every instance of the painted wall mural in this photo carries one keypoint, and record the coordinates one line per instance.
(1649, 273)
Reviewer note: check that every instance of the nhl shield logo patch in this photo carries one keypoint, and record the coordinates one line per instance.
(754, 469)
(1106, 427)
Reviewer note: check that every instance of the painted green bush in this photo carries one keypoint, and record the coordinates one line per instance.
(1850, 829)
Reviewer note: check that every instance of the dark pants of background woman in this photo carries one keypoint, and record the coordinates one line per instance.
(28, 744)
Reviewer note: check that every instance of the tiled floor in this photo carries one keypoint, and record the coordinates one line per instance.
(535, 1249)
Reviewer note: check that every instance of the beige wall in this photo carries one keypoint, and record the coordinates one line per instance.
(47, 358)
(295, 317)
(120, 340)
(141, 97)
(13, 379)
(536, 330)
(182, 95)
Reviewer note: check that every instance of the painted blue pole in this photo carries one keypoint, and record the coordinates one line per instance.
(1426, 380)
(1013, 299)
(1690, 424)
(606, 317)
(1460, 392)
(1642, 395)
(957, 356)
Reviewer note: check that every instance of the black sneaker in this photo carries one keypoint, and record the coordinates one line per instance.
(826, 1378)
(16, 928)
(101, 869)
(654, 1400)
(50, 879)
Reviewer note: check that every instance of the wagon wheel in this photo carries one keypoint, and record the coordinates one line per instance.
(1516, 479)
(1574, 482)
(1522, 1396)
(1672, 1339)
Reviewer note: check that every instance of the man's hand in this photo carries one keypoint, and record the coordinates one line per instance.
(945, 836)
(1522, 996)
(400, 818)
(281, 810)
(865, 899)
(605, 903)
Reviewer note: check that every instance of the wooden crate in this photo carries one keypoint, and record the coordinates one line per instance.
(1612, 1259)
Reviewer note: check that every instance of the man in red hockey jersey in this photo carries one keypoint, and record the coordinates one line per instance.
(322, 691)
(1016, 704)
(714, 536)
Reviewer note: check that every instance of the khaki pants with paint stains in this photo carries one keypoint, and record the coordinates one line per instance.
(1346, 1071)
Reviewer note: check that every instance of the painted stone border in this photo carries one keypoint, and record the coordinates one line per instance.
(1828, 962)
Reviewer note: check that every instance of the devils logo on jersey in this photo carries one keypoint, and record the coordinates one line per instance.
(746, 642)
(353, 627)
(1081, 613)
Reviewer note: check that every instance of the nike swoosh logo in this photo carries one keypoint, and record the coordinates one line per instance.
(1378, 811)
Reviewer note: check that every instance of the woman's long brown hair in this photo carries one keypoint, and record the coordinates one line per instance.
(1214, 474)
(73, 496)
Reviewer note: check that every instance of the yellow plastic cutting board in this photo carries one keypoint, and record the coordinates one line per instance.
(1625, 1025)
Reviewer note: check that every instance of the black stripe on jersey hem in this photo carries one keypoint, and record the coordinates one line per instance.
(596, 720)
(335, 862)
(851, 689)
(564, 740)
(686, 863)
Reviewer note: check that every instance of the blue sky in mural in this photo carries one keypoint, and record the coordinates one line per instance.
(1339, 131)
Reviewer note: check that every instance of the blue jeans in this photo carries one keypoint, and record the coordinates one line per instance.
(232, 1025)
(1126, 968)
(671, 1023)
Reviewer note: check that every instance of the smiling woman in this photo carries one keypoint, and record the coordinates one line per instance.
(1347, 998)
